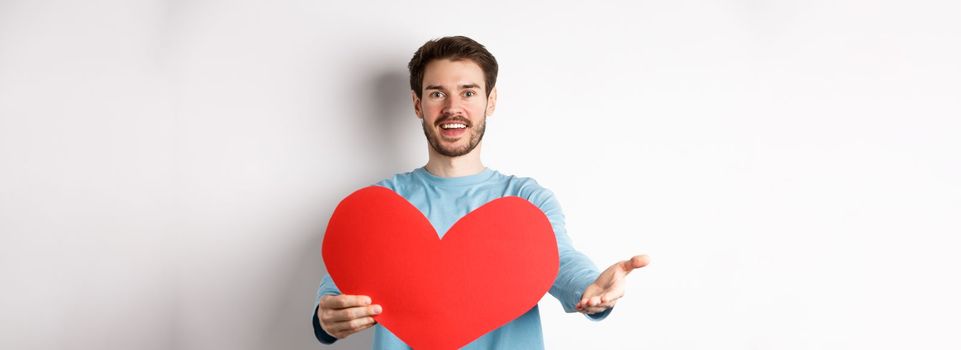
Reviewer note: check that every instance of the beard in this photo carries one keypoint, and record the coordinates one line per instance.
(475, 135)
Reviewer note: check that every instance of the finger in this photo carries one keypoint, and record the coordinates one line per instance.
(358, 329)
(602, 305)
(589, 292)
(348, 327)
(355, 313)
(594, 301)
(360, 323)
(612, 295)
(589, 300)
(598, 308)
(344, 301)
(594, 310)
(366, 326)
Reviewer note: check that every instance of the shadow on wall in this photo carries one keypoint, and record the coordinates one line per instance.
(390, 115)
(384, 112)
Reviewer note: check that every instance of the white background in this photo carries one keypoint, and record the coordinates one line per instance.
(167, 168)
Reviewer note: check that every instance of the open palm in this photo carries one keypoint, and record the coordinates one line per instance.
(609, 286)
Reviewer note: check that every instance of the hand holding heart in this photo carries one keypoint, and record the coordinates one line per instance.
(609, 286)
(343, 315)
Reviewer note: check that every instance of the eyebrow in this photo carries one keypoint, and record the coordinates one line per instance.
(462, 86)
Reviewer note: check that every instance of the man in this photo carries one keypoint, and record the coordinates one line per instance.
(453, 90)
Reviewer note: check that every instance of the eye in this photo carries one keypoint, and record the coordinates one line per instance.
(470, 93)
(436, 94)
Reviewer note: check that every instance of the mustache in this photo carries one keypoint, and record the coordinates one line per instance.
(454, 120)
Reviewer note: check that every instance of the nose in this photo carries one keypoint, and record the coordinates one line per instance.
(453, 105)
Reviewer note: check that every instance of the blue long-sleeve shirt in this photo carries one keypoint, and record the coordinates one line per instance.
(444, 200)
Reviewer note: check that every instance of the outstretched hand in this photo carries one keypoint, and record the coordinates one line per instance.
(609, 286)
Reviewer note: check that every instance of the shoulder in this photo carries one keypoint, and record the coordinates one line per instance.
(530, 189)
(397, 181)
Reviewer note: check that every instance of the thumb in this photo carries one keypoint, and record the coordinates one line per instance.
(635, 262)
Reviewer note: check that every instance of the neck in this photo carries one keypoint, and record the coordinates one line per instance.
(444, 166)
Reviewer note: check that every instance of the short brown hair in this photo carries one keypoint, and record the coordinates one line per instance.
(454, 48)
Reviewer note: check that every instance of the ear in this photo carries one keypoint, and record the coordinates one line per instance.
(492, 101)
(416, 100)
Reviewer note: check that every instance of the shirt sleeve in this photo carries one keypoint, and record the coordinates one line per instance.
(577, 271)
(326, 287)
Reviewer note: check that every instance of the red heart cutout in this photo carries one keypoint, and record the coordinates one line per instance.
(493, 265)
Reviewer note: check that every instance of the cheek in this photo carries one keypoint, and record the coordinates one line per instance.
(478, 107)
(432, 108)
(430, 113)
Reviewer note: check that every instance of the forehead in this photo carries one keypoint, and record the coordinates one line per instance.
(453, 73)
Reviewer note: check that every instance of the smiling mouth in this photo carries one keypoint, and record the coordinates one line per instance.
(453, 128)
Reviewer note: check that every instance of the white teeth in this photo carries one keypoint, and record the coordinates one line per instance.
(453, 126)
